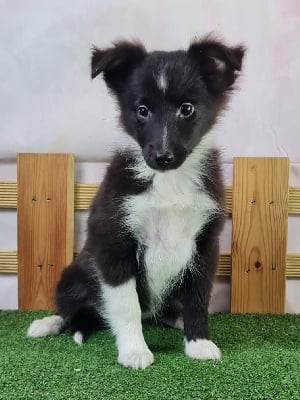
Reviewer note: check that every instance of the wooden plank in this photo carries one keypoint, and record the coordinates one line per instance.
(45, 225)
(224, 266)
(293, 265)
(259, 234)
(9, 264)
(8, 195)
(85, 192)
(294, 200)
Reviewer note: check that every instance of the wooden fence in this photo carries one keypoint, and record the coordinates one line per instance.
(259, 203)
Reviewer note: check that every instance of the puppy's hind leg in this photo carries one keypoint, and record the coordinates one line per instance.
(47, 326)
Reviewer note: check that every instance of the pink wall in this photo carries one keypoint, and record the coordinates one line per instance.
(49, 104)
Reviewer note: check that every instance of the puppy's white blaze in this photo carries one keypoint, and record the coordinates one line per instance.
(78, 338)
(202, 349)
(161, 81)
(123, 313)
(48, 326)
(165, 138)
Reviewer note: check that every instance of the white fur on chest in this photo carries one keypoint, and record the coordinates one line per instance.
(166, 220)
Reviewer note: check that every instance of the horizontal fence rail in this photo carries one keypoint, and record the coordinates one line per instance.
(8, 195)
(83, 195)
(85, 192)
(9, 263)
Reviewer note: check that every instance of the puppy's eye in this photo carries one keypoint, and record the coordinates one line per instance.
(143, 112)
(186, 110)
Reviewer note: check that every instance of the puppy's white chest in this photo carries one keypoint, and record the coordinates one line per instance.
(166, 220)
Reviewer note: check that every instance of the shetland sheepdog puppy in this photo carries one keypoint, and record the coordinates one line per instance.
(153, 229)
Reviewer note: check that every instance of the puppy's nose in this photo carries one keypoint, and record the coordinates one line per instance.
(163, 159)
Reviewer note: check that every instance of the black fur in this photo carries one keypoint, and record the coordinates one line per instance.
(203, 76)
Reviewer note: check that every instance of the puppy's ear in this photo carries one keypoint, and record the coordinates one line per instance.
(218, 64)
(116, 62)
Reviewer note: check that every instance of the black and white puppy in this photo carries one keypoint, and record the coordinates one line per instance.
(152, 244)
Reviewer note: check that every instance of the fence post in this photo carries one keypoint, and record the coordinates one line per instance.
(259, 235)
(45, 225)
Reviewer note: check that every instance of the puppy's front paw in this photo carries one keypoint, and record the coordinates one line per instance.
(136, 359)
(202, 349)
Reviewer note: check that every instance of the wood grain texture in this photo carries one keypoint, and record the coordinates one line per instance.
(85, 192)
(294, 200)
(9, 263)
(8, 195)
(45, 225)
(259, 234)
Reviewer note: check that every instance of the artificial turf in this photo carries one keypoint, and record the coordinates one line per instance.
(261, 360)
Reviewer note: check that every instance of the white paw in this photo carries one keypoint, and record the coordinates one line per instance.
(136, 359)
(202, 349)
(47, 326)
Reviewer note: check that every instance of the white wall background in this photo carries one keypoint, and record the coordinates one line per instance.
(49, 104)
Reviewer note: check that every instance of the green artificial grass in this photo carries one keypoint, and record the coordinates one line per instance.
(261, 360)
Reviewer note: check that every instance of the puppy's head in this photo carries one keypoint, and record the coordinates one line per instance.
(169, 100)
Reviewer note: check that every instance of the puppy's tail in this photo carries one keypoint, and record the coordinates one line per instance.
(84, 322)
(47, 326)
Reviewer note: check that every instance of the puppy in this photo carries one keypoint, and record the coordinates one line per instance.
(152, 240)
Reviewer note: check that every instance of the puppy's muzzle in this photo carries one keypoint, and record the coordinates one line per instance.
(164, 159)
